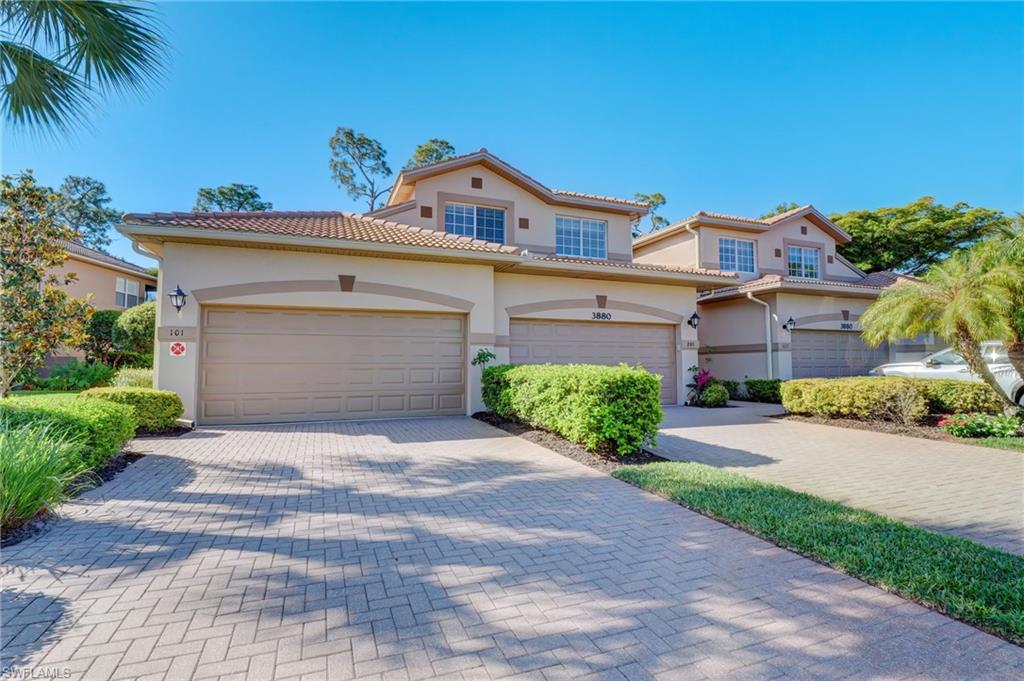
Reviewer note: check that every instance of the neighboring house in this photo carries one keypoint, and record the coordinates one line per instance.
(113, 283)
(795, 312)
(295, 316)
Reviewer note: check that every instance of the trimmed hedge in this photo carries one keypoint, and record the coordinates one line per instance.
(129, 377)
(155, 410)
(714, 395)
(763, 390)
(603, 408)
(890, 398)
(732, 387)
(103, 427)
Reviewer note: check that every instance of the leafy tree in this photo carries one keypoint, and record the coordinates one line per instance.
(82, 204)
(914, 237)
(653, 201)
(434, 150)
(135, 329)
(98, 343)
(779, 209)
(359, 165)
(36, 315)
(960, 298)
(231, 197)
(58, 58)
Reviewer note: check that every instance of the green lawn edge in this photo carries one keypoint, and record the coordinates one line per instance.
(1012, 444)
(975, 584)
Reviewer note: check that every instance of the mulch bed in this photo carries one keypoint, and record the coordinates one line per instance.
(80, 485)
(602, 461)
(928, 430)
(176, 431)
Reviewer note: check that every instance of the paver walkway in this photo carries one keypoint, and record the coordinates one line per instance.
(436, 548)
(974, 492)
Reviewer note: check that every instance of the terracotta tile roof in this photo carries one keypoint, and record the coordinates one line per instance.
(598, 197)
(754, 221)
(633, 266)
(77, 248)
(320, 225)
(876, 280)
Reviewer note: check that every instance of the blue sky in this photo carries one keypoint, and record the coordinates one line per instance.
(725, 107)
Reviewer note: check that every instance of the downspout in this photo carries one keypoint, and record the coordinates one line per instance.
(767, 330)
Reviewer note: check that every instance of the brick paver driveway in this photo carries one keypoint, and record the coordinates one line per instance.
(436, 548)
(970, 491)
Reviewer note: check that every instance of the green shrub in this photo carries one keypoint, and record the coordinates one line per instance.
(715, 395)
(104, 427)
(981, 425)
(882, 398)
(600, 407)
(38, 461)
(763, 390)
(732, 387)
(155, 410)
(135, 329)
(77, 375)
(99, 340)
(889, 398)
(133, 378)
(948, 396)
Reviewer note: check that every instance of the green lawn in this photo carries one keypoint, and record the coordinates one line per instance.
(1014, 443)
(36, 393)
(973, 583)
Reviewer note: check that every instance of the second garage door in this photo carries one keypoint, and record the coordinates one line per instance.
(539, 341)
(261, 365)
(834, 353)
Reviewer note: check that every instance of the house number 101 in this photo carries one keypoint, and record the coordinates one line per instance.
(602, 315)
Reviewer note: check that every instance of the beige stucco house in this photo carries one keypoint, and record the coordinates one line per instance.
(794, 311)
(301, 316)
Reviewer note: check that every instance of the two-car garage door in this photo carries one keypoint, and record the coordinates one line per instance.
(834, 353)
(539, 341)
(270, 365)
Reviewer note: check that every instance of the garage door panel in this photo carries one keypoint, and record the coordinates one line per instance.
(608, 343)
(831, 354)
(276, 365)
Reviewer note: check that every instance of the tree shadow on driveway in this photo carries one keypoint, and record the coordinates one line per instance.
(458, 549)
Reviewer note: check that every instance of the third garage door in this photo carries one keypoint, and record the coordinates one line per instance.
(834, 353)
(539, 341)
(261, 365)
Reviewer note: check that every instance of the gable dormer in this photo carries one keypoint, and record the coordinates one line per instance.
(480, 196)
(800, 243)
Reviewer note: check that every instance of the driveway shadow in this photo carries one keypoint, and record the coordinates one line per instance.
(490, 554)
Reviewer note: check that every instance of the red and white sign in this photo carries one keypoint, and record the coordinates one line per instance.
(177, 349)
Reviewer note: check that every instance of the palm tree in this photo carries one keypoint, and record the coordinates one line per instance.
(1006, 254)
(962, 299)
(58, 57)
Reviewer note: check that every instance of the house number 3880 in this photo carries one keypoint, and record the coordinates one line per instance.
(602, 315)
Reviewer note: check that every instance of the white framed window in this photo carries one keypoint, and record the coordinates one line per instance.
(126, 293)
(736, 255)
(581, 237)
(479, 222)
(803, 262)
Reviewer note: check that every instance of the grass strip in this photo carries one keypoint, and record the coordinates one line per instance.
(967, 581)
(1012, 443)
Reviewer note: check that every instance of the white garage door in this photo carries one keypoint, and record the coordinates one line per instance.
(834, 353)
(539, 341)
(266, 365)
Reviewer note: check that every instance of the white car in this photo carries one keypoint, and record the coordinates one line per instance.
(948, 364)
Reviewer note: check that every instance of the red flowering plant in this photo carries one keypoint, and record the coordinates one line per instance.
(701, 380)
(980, 425)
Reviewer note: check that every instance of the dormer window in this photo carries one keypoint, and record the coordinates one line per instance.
(479, 222)
(804, 262)
(580, 237)
(736, 255)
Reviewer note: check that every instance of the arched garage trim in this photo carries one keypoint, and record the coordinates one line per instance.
(343, 284)
(600, 302)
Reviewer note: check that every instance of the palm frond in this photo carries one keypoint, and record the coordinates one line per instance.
(38, 91)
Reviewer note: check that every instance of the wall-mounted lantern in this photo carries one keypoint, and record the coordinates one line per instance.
(789, 325)
(178, 298)
(693, 321)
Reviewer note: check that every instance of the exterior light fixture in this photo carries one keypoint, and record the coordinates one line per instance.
(694, 320)
(178, 298)
(790, 324)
